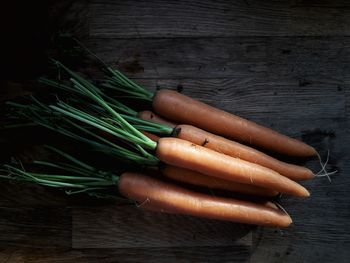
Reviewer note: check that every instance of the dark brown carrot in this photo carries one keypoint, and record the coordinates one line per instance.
(195, 178)
(182, 109)
(187, 155)
(155, 194)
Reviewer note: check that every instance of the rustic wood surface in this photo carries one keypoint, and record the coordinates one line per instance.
(284, 64)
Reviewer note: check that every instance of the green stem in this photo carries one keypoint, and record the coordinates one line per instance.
(88, 119)
(149, 126)
(70, 158)
(40, 119)
(127, 82)
(112, 102)
(89, 89)
(122, 150)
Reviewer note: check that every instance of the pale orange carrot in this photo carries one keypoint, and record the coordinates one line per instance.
(192, 177)
(182, 109)
(187, 155)
(154, 194)
(238, 150)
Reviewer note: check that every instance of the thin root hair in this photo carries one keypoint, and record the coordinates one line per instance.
(281, 207)
(147, 200)
(323, 172)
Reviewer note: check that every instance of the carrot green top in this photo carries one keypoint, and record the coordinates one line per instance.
(90, 112)
(73, 175)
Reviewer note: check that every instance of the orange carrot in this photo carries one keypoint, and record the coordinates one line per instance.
(195, 178)
(234, 149)
(187, 155)
(238, 150)
(182, 109)
(155, 194)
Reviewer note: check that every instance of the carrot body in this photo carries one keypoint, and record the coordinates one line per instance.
(155, 194)
(150, 116)
(182, 109)
(234, 149)
(195, 178)
(187, 155)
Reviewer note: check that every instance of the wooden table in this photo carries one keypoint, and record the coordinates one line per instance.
(284, 64)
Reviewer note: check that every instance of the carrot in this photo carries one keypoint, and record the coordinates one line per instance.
(154, 193)
(187, 155)
(150, 116)
(234, 149)
(195, 178)
(76, 176)
(182, 109)
(238, 150)
(156, 208)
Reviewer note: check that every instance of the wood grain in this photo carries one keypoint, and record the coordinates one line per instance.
(306, 59)
(69, 17)
(103, 227)
(239, 253)
(217, 18)
(277, 250)
(35, 227)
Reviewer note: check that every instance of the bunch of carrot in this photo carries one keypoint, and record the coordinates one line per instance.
(190, 142)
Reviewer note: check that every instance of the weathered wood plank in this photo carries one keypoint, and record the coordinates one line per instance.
(36, 196)
(191, 58)
(309, 57)
(305, 59)
(347, 95)
(183, 18)
(277, 250)
(69, 16)
(129, 227)
(35, 227)
(234, 253)
(29, 195)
